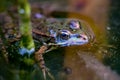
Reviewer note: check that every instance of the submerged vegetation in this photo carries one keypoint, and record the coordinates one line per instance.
(15, 66)
(114, 36)
(17, 44)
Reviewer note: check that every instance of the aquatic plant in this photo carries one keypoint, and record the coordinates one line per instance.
(27, 44)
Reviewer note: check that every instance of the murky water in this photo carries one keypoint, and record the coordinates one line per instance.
(106, 51)
(98, 60)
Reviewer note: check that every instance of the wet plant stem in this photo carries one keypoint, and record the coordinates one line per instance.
(24, 11)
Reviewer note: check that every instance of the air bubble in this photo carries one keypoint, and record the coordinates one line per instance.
(21, 11)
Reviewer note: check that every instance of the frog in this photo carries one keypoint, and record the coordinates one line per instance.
(58, 32)
(53, 33)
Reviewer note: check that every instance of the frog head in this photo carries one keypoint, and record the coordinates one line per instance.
(71, 32)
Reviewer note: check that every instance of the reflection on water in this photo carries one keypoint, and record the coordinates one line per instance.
(97, 60)
(101, 71)
(104, 50)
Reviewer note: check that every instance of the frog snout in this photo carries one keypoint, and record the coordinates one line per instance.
(83, 36)
(79, 36)
(78, 39)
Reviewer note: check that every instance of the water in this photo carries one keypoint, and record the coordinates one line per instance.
(98, 60)
(106, 50)
(114, 38)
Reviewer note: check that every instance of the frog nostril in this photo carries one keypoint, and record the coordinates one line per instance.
(81, 36)
(84, 38)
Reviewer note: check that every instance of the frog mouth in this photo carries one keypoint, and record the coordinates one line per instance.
(71, 42)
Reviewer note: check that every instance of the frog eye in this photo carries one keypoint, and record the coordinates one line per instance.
(64, 36)
(74, 24)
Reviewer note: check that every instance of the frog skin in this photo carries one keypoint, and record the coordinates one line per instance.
(60, 32)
